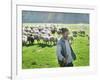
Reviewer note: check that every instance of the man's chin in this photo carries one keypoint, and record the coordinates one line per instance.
(65, 38)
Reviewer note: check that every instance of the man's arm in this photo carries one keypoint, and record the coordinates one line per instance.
(59, 55)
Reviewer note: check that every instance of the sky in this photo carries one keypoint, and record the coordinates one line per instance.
(54, 17)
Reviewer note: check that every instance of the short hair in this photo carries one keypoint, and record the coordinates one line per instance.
(63, 30)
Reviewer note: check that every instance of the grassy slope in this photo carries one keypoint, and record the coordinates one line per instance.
(37, 57)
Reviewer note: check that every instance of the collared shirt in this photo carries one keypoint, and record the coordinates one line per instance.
(68, 52)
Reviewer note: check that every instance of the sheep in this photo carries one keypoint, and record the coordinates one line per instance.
(74, 33)
(24, 40)
(30, 39)
(82, 33)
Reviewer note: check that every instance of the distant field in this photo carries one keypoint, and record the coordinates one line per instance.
(44, 56)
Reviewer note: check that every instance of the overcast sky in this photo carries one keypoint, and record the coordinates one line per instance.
(54, 17)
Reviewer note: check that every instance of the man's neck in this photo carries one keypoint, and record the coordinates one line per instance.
(65, 38)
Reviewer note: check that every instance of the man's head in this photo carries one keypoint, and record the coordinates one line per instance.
(65, 33)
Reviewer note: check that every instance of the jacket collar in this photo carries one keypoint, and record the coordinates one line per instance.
(63, 40)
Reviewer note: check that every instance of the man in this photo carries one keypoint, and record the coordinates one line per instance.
(65, 53)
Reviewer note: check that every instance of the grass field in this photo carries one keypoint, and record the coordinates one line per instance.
(41, 56)
(44, 56)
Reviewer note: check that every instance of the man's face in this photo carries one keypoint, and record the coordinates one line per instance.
(65, 34)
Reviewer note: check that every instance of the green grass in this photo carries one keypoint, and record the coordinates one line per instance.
(81, 48)
(39, 56)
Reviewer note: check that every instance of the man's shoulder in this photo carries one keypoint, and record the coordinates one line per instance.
(60, 41)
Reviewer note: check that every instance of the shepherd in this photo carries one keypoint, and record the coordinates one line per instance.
(65, 53)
